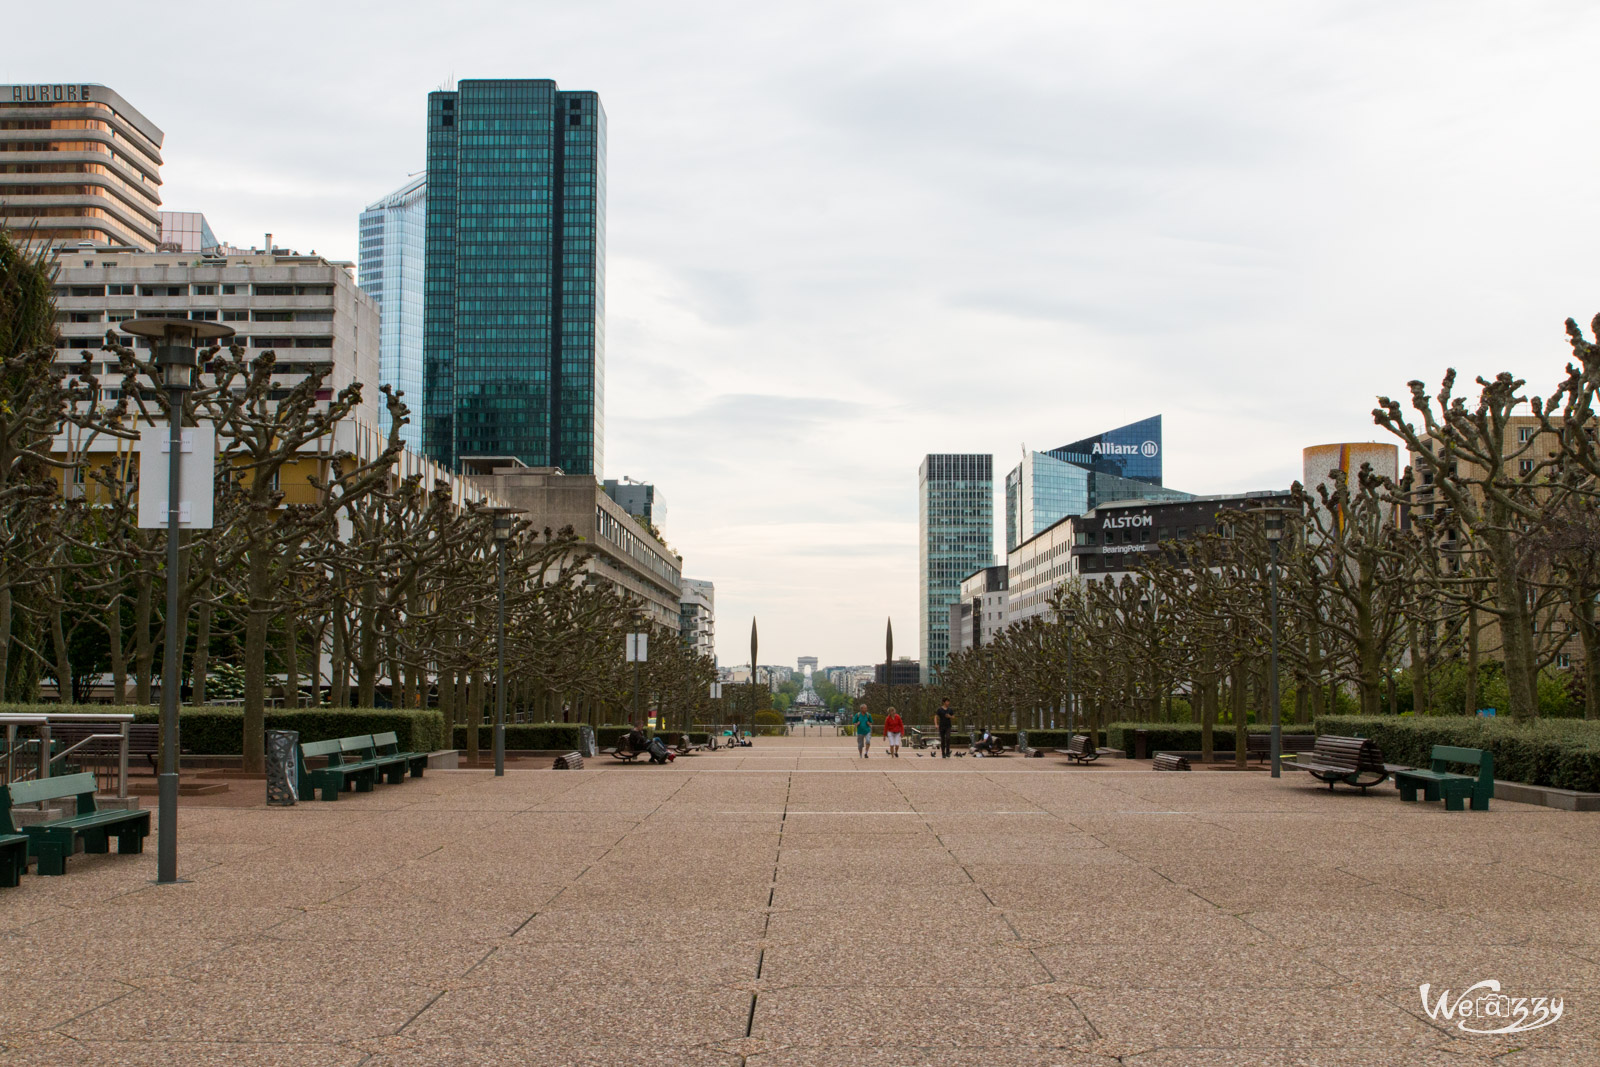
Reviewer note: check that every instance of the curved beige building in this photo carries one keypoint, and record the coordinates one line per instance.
(1322, 460)
(79, 164)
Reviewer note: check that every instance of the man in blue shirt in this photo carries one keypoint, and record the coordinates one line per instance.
(863, 733)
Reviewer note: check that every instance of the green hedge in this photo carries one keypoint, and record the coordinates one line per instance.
(214, 731)
(1183, 736)
(1563, 753)
(534, 735)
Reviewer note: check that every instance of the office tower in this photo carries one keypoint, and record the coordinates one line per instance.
(1119, 464)
(955, 519)
(514, 292)
(393, 232)
(78, 165)
(640, 499)
(187, 231)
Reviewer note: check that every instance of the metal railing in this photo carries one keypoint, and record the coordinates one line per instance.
(41, 742)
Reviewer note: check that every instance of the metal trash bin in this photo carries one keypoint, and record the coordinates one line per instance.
(1141, 744)
(588, 747)
(282, 781)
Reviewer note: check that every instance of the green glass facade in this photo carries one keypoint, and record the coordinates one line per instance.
(514, 294)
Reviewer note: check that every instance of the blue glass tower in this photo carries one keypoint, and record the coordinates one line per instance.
(955, 518)
(1120, 464)
(392, 241)
(514, 336)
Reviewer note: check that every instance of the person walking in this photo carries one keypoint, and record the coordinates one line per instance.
(893, 728)
(946, 720)
(863, 733)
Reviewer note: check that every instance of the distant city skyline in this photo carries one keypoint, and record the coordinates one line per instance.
(1247, 218)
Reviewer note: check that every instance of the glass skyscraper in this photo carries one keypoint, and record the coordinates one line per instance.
(514, 297)
(392, 243)
(1120, 464)
(955, 520)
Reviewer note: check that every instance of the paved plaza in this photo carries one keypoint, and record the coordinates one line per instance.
(789, 905)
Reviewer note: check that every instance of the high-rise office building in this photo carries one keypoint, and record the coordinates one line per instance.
(697, 621)
(79, 165)
(1120, 464)
(955, 519)
(393, 232)
(514, 291)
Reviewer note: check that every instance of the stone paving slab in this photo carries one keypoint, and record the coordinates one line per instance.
(791, 904)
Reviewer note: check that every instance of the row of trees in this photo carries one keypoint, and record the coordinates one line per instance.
(1476, 571)
(358, 585)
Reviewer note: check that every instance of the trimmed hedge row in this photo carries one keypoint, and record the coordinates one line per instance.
(1048, 739)
(1562, 753)
(535, 735)
(1185, 736)
(219, 731)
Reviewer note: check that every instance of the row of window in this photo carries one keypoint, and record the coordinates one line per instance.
(191, 290)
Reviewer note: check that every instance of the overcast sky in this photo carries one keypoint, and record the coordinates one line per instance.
(844, 235)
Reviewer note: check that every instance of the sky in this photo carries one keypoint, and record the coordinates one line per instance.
(842, 235)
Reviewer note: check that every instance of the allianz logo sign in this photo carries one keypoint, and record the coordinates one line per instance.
(1107, 448)
(1483, 1009)
(1120, 522)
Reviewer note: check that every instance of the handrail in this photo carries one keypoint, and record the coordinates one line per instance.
(122, 720)
(65, 716)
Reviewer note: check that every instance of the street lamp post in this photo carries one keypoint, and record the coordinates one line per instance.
(503, 523)
(174, 342)
(1273, 527)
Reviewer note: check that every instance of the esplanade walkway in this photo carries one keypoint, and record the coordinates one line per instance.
(789, 904)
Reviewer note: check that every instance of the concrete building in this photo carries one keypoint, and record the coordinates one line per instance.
(955, 519)
(982, 611)
(1108, 541)
(514, 334)
(697, 618)
(640, 499)
(79, 164)
(306, 309)
(627, 556)
(392, 234)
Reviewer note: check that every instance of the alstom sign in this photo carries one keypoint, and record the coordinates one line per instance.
(1107, 448)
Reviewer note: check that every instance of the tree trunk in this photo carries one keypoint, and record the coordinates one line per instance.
(474, 713)
(338, 683)
(367, 658)
(119, 655)
(1208, 720)
(202, 651)
(5, 638)
(144, 649)
(291, 657)
(1470, 695)
(1241, 728)
(258, 619)
(58, 639)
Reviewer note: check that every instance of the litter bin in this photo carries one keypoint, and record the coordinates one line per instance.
(281, 778)
(588, 745)
(1141, 744)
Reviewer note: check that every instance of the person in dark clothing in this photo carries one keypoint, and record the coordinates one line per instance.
(947, 719)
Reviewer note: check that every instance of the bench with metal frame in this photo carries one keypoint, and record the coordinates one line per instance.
(1080, 749)
(339, 773)
(52, 842)
(1353, 761)
(1169, 761)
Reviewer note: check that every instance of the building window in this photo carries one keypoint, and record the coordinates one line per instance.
(205, 290)
(119, 290)
(1563, 660)
(1526, 466)
(229, 290)
(1524, 434)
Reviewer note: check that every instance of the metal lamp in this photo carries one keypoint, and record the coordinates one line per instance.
(1272, 525)
(174, 341)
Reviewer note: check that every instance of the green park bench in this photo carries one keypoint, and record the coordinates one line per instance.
(1439, 780)
(388, 747)
(52, 842)
(13, 857)
(339, 772)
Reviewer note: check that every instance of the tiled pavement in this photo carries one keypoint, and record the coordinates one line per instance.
(791, 905)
